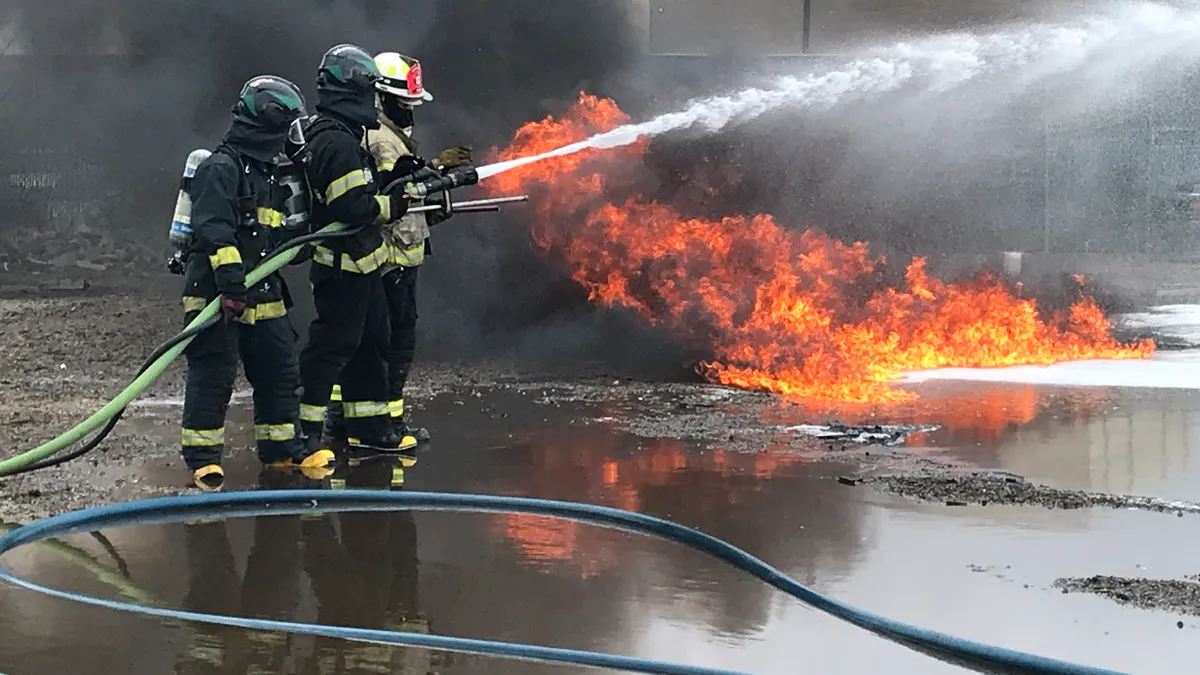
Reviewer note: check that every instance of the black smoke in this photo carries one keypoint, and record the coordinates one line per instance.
(114, 130)
(111, 96)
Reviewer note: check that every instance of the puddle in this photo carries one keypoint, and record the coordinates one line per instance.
(983, 573)
(739, 465)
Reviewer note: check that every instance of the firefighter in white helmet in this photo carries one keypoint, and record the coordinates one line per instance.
(400, 90)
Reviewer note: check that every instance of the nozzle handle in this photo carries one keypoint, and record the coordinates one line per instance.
(420, 175)
(460, 177)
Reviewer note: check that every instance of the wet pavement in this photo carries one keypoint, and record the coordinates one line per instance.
(736, 465)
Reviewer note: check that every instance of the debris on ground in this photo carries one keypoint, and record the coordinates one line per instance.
(955, 489)
(1172, 595)
(880, 434)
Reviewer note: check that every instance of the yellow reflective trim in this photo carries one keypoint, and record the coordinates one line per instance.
(396, 407)
(226, 255)
(192, 303)
(337, 483)
(336, 394)
(385, 210)
(270, 217)
(339, 187)
(360, 409)
(406, 257)
(397, 477)
(262, 312)
(364, 265)
(203, 438)
(383, 166)
(312, 413)
(274, 432)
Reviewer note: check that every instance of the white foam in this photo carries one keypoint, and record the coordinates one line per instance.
(1180, 370)
(1178, 321)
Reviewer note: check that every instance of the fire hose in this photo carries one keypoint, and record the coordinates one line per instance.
(968, 654)
(42, 457)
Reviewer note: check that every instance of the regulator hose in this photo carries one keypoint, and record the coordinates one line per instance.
(968, 654)
(42, 457)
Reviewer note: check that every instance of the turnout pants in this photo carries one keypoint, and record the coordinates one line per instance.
(400, 286)
(269, 357)
(347, 341)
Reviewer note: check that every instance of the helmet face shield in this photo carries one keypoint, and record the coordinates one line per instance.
(295, 134)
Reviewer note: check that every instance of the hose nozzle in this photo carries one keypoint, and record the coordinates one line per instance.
(455, 178)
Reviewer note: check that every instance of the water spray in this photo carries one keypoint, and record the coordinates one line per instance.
(1136, 34)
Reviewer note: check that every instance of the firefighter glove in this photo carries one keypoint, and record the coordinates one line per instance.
(441, 215)
(233, 305)
(452, 157)
(398, 201)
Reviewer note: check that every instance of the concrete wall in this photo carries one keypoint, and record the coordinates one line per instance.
(775, 26)
(1141, 279)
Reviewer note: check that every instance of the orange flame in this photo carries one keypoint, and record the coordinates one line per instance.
(778, 306)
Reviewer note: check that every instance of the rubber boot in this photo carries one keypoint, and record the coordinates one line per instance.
(376, 435)
(311, 435)
(316, 465)
(209, 478)
(410, 436)
(334, 432)
(419, 434)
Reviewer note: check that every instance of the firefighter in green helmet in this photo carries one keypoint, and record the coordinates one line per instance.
(236, 218)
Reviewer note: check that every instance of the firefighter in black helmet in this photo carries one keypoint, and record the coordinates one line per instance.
(348, 339)
(237, 219)
(401, 89)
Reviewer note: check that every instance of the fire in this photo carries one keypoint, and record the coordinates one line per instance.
(795, 312)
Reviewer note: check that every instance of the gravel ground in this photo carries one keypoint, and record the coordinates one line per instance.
(67, 353)
(960, 489)
(1172, 595)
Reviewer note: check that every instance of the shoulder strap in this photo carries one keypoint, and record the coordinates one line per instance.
(243, 181)
(320, 124)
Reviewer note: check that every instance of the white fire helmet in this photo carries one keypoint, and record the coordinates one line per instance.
(402, 78)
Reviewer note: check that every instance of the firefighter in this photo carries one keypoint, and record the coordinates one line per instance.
(401, 89)
(348, 339)
(236, 216)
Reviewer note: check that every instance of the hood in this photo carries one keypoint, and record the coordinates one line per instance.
(254, 141)
(407, 132)
(352, 109)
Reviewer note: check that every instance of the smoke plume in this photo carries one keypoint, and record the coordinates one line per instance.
(102, 103)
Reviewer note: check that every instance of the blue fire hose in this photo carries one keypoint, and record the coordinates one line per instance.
(968, 654)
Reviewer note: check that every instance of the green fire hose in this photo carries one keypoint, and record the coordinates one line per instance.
(272, 263)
